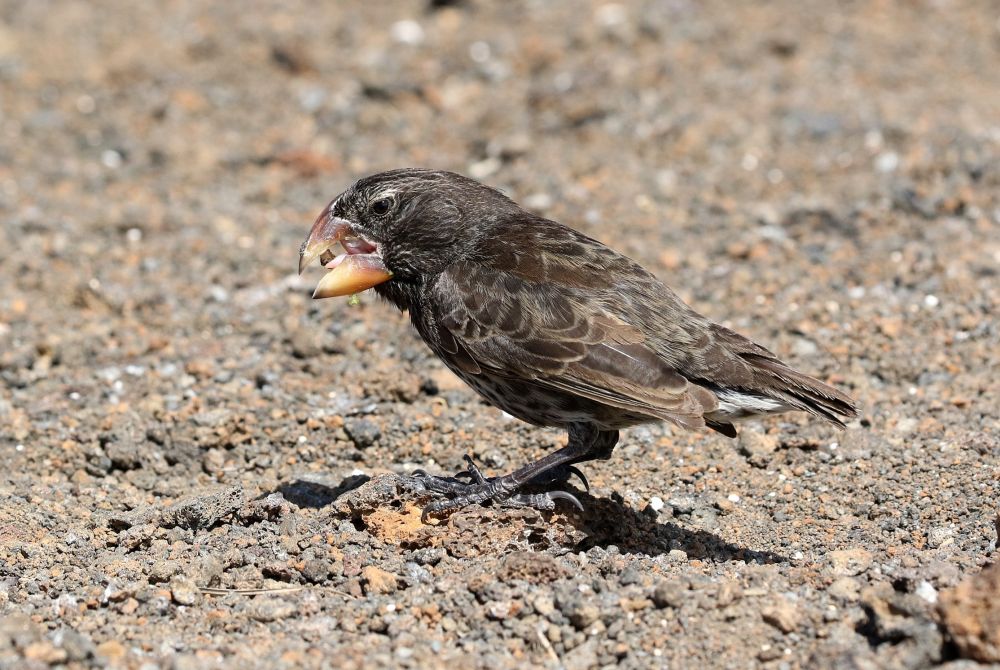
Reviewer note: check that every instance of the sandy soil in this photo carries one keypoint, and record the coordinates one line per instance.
(200, 465)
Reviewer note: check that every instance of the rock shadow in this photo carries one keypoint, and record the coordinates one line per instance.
(316, 494)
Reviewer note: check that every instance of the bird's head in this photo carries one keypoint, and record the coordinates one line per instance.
(399, 226)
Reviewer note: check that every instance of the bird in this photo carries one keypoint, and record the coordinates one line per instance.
(547, 324)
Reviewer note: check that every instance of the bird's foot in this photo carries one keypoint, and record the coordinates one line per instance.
(561, 474)
(470, 487)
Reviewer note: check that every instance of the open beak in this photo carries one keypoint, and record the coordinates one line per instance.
(360, 266)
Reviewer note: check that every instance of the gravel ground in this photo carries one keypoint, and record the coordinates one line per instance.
(201, 466)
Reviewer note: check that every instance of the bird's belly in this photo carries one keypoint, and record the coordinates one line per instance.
(542, 406)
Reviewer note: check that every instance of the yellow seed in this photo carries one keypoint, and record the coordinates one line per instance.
(354, 300)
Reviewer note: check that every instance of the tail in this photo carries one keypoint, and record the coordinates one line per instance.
(802, 391)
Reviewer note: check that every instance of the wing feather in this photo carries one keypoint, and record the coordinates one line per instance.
(552, 335)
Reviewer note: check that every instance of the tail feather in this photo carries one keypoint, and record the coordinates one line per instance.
(802, 391)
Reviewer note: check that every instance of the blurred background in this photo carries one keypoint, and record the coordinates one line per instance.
(823, 176)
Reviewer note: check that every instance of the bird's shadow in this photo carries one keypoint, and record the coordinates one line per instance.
(612, 522)
(605, 522)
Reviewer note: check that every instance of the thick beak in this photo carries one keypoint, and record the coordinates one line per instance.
(360, 268)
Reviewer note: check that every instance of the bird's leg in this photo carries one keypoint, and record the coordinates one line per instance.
(601, 445)
(503, 490)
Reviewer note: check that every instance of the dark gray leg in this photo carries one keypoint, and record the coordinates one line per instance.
(585, 443)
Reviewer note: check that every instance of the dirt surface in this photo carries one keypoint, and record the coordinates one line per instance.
(201, 466)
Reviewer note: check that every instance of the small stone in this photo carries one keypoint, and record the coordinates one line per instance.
(782, 614)
(582, 657)
(316, 570)
(543, 604)
(677, 555)
(927, 591)
(163, 570)
(498, 611)
(136, 536)
(112, 650)
(724, 505)
(845, 588)
(705, 517)
(208, 570)
(183, 591)
(584, 615)
(849, 562)
(377, 580)
(364, 433)
(272, 609)
(78, 647)
(683, 504)
(670, 594)
(630, 576)
(269, 508)
(44, 652)
(769, 652)
(580, 611)
(729, 592)
(757, 446)
(305, 342)
(940, 536)
(407, 31)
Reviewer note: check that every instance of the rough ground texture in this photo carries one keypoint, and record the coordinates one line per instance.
(200, 464)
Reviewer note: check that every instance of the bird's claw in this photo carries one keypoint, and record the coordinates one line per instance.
(562, 475)
(573, 470)
(496, 490)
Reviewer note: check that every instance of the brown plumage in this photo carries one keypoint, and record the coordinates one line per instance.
(552, 326)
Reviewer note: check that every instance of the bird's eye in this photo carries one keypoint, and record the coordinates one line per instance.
(381, 206)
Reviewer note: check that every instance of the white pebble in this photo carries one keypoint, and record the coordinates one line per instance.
(111, 159)
(538, 201)
(656, 502)
(484, 168)
(610, 15)
(407, 31)
(931, 301)
(927, 591)
(733, 498)
(887, 162)
(479, 51)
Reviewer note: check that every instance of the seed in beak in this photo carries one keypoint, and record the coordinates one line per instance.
(353, 274)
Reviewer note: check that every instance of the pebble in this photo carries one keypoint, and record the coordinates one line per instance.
(266, 609)
(364, 433)
(580, 611)
(670, 594)
(376, 580)
(316, 570)
(940, 536)
(782, 614)
(543, 604)
(184, 591)
(849, 562)
(757, 446)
